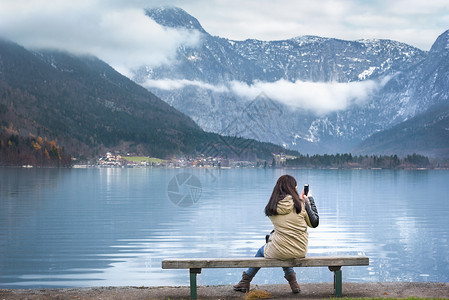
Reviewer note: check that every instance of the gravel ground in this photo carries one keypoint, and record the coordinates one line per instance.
(278, 291)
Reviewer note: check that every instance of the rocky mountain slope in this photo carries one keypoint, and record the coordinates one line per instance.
(424, 94)
(426, 133)
(235, 87)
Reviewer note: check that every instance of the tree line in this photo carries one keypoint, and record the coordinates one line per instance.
(348, 160)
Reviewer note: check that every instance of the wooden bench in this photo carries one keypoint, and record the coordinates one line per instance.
(334, 263)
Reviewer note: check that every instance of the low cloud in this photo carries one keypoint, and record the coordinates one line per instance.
(122, 35)
(174, 84)
(318, 97)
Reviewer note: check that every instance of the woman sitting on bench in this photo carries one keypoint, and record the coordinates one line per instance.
(290, 214)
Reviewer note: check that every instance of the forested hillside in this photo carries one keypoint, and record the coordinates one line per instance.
(90, 108)
(17, 150)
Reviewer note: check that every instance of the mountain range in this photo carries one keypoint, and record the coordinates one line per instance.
(376, 87)
(380, 97)
(89, 108)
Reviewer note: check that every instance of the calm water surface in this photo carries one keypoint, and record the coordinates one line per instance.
(113, 227)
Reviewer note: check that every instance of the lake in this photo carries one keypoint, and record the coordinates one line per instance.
(113, 227)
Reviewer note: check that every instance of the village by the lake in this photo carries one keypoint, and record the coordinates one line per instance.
(338, 161)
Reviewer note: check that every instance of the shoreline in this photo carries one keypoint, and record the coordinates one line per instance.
(80, 166)
(277, 291)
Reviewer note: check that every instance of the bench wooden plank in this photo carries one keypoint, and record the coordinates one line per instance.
(312, 261)
(334, 263)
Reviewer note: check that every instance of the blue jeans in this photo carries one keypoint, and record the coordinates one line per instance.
(251, 272)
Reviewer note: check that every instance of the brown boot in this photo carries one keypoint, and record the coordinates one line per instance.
(293, 283)
(243, 285)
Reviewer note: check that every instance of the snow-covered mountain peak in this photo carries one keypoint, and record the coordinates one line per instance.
(441, 44)
(308, 39)
(174, 17)
(219, 76)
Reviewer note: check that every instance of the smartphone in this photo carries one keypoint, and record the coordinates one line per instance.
(306, 189)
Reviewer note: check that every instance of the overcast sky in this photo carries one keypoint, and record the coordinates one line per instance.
(118, 32)
(416, 22)
(106, 28)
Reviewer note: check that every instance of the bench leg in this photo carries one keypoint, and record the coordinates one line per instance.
(193, 272)
(337, 280)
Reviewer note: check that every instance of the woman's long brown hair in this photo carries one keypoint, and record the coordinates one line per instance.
(286, 185)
